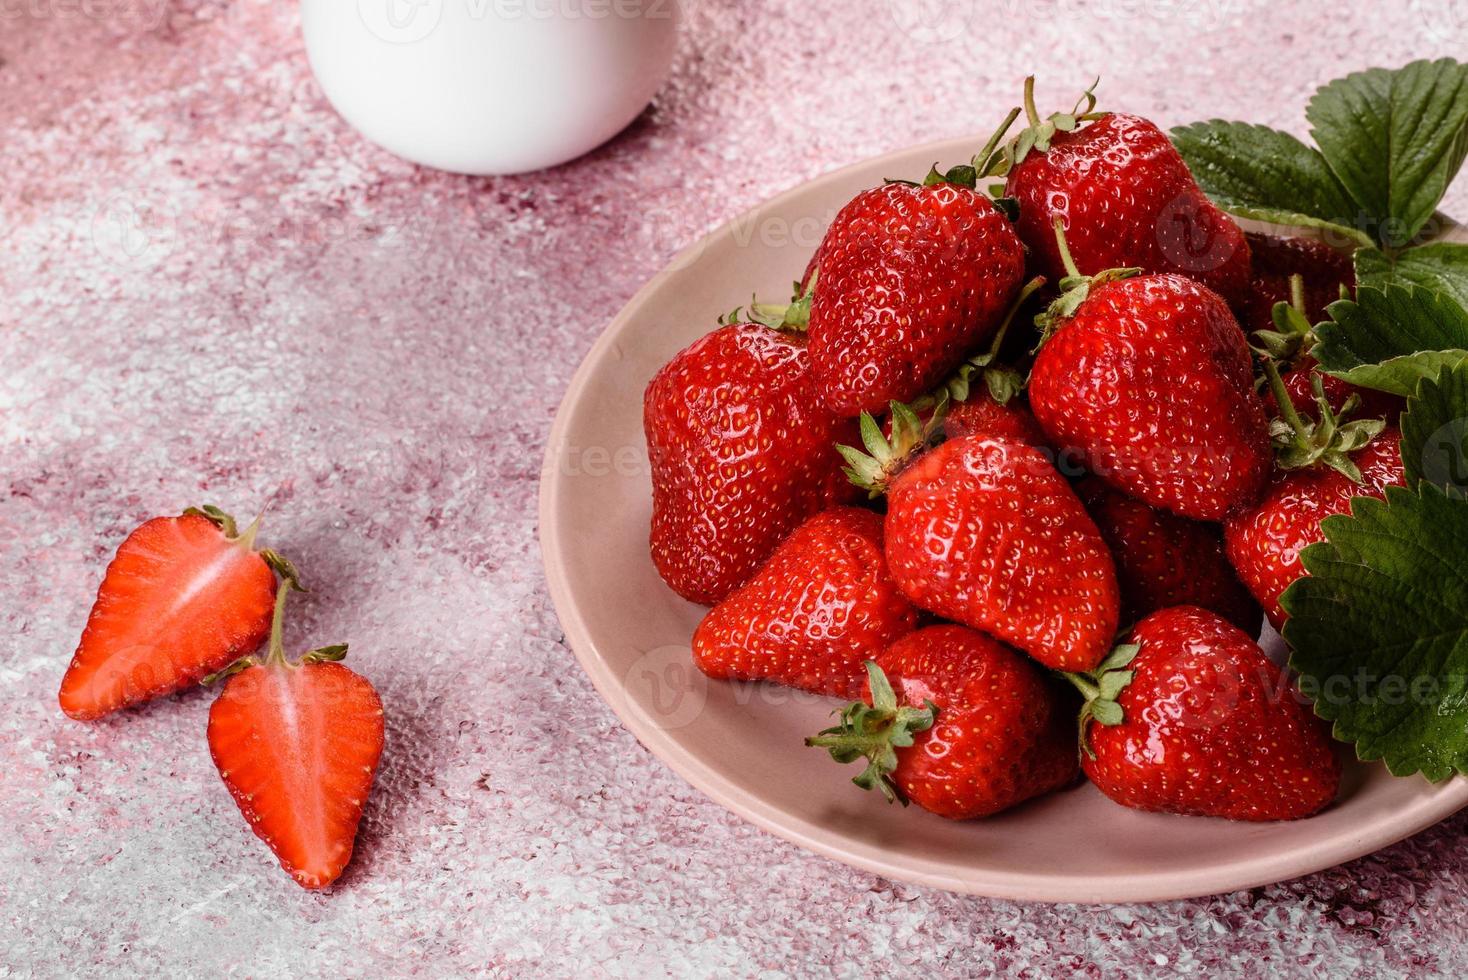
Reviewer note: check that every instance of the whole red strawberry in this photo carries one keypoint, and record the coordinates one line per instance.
(910, 280)
(1191, 717)
(972, 728)
(1125, 198)
(741, 452)
(297, 744)
(813, 613)
(1163, 560)
(1150, 379)
(1322, 269)
(1264, 542)
(984, 532)
(184, 597)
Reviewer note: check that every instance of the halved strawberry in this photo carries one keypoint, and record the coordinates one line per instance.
(298, 744)
(185, 596)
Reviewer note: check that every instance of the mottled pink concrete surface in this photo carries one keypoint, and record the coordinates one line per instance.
(212, 290)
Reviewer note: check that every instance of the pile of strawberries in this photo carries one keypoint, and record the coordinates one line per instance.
(1052, 548)
(187, 600)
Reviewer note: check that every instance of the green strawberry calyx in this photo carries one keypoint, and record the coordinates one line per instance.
(1293, 335)
(1039, 132)
(1075, 288)
(985, 163)
(1300, 443)
(875, 732)
(793, 316)
(1101, 687)
(885, 457)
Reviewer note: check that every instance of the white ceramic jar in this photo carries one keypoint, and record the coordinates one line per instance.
(490, 86)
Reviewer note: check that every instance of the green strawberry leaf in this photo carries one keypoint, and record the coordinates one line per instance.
(1441, 267)
(1261, 173)
(1395, 139)
(1379, 630)
(1390, 339)
(1435, 432)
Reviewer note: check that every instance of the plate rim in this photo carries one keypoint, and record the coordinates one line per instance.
(1442, 801)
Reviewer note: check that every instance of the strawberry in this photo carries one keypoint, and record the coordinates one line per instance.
(1163, 560)
(1191, 717)
(297, 744)
(1264, 542)
(975, 729)
(185, 596)
(1125, 198)
(1323, 271)
(910, 279)
(1150, 379)
(983, 531)
(812, 613)
(741, 453)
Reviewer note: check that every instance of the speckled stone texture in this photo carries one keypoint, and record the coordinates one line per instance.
(211, 290)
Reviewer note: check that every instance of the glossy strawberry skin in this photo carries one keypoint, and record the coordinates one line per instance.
(1004, 733)
(741, 452)
(1126, 199)
(298, 747)
(912, 280)
(984, 532)
(1264, 542)
(1163, 560)
(1275, 259)
(813, 614)
(179, 601)
(1152, 382)
(981, 414)
(1211, 727)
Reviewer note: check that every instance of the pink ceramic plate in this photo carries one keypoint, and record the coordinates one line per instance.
(741, 744)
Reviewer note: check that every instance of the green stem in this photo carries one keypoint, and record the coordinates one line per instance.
(1297, 294)
(246, 539)
(1282, 399)
(1031, 112)
(276, 654)
(985, 156)
(1065, 256)
(1089, 690)
(1019, 301)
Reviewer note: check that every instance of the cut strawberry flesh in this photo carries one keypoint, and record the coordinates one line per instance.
(179, 601)
(297, 746)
